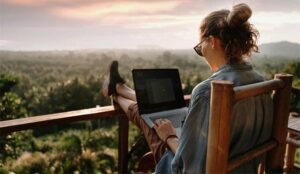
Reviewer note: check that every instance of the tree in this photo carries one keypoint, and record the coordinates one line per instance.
(70, 95)
(10, 103)
(7, 82)
(11, 108)
(294, 68)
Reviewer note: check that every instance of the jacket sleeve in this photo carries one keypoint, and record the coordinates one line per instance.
(191, 153)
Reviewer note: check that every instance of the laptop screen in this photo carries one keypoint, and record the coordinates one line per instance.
(157, 90)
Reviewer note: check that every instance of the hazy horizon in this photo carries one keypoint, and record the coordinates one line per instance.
(154, 48)
(49, 25)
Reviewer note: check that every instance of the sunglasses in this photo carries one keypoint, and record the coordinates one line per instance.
(198, 47)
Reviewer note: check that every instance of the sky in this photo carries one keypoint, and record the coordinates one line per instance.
(131, 24)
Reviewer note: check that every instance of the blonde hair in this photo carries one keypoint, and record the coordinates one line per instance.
(238, 37)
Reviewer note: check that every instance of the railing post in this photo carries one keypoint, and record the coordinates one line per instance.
(275, 158)
(123, 145)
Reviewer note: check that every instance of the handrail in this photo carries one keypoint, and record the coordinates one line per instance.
(93, 113)
(51, 119)
(63, 117)
(9, 126)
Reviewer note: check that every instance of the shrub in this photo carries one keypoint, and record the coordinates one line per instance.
(71, 145)
(99, 140)
(30, 163)
(3, 170)
(87, 162)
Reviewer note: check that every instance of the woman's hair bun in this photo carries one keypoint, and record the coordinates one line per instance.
(239, 14)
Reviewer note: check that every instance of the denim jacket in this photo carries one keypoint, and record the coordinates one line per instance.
(251, 124)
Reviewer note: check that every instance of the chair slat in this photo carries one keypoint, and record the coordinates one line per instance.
(239, 160)
(242, 92)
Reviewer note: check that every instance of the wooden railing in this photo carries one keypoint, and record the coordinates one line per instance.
(79, 115)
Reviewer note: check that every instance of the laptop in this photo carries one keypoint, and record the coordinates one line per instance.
(159, 95)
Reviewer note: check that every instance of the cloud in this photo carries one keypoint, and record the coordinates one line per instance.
(99, 10)
(5, 42)
(33, 3)
(275, 5)
(22, 2)
(271, 20)
(132, 14)
(278, 17)
(151, 21)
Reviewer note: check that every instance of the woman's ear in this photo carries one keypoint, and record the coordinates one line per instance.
(214, 41)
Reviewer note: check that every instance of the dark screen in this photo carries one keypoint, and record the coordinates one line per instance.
(158, 89)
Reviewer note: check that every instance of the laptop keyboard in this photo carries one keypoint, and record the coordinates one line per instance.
(175, 119)
(176, 116)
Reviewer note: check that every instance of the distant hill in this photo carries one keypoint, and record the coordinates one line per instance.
(280, 49)
(283, 49)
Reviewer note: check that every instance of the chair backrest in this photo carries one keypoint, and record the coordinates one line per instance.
(223, 96)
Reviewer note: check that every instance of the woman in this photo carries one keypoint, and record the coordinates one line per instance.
(226, 41)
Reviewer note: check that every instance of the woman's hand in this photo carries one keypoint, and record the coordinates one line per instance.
(164, 128)
(167, 133)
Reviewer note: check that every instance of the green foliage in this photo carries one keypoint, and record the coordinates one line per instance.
(11, 145)
(11, 107)
(293, 68)
(101, 140)
(10, 103)
(72, 151)
(65, 96)
(297, 156)
(44, 145)
(87, 162)
(14, 144)
(71, 145)
(107, 163)
(7, 82)
(3, 170)
(30, 163)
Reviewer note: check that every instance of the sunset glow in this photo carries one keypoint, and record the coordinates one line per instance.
(104, 9)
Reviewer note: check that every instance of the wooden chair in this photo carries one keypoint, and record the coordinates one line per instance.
(223, 97)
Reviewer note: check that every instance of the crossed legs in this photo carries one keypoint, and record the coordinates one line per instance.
(126, 98)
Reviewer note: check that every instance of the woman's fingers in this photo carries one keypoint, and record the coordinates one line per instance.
(161, 121)
(167, 121)
(157, 121)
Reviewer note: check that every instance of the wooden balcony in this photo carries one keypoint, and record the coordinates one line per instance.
(83, 115)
